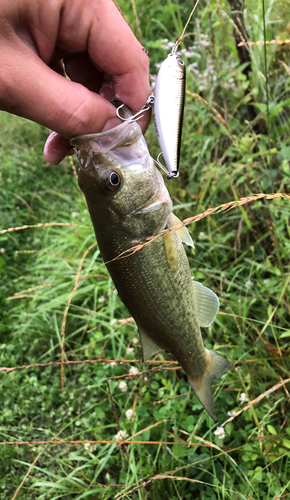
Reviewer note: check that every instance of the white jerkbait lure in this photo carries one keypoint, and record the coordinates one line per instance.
(168, 100)
(169, 96)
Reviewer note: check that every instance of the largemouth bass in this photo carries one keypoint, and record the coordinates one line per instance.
(128, 202)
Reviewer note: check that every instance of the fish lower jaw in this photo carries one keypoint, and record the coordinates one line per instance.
(152, 206)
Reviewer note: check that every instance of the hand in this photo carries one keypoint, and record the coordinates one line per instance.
(90, 41)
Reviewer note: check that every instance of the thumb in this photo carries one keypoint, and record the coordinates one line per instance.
(58, 147)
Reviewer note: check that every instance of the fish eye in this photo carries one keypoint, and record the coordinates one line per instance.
(179, 60)
(113, 180)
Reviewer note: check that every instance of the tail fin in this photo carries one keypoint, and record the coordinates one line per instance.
(202, 388)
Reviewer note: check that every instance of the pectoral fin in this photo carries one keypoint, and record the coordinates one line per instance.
(207, 304)
(148, 345)
(202, 387)
(170, 251)
(183, 232)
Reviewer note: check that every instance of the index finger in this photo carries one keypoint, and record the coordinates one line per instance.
(113, 48)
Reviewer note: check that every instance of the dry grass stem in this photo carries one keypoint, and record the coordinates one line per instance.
(257, 400)
(28, 472)
(265, 42)
(44, 224)
(8, 369)
(210, 211)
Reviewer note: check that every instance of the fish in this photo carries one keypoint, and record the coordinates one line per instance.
(169, 98)
(128, 203)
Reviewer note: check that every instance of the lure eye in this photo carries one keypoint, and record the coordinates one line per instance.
(179, 60)
(113, 180)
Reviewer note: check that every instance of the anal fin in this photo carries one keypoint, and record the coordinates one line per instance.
(149, 347)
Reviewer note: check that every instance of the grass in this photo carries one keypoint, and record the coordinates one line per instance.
(243, 255)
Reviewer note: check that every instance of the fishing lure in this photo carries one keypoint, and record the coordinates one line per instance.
(169, 96)
(168, 100)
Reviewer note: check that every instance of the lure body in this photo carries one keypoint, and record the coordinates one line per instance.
(169, 98)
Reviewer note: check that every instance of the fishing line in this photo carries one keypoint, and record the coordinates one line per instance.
(187, 23)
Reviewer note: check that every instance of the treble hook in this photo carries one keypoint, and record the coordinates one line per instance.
(169, 175)
(149, 103)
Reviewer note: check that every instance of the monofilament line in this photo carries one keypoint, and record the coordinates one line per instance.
(188, 21)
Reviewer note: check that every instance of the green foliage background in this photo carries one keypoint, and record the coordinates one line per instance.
(243, 255)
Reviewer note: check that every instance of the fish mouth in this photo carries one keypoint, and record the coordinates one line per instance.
(157, 200)
(125, 134)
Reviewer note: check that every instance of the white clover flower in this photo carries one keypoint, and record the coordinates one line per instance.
(123, 386)
(201, 236)
(135, 340)
(231, 413)
(220, 432)
(113, 364)
(74, 215)
(145, 379)
(243, 398)
(129, 350)
(101, 299)
(129, 414)
(249, 284)
(121, 436)
(2, 250)
(133, 370)
(90, 446)
(264, 281)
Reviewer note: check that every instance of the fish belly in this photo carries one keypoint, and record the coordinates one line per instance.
(159, 295)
